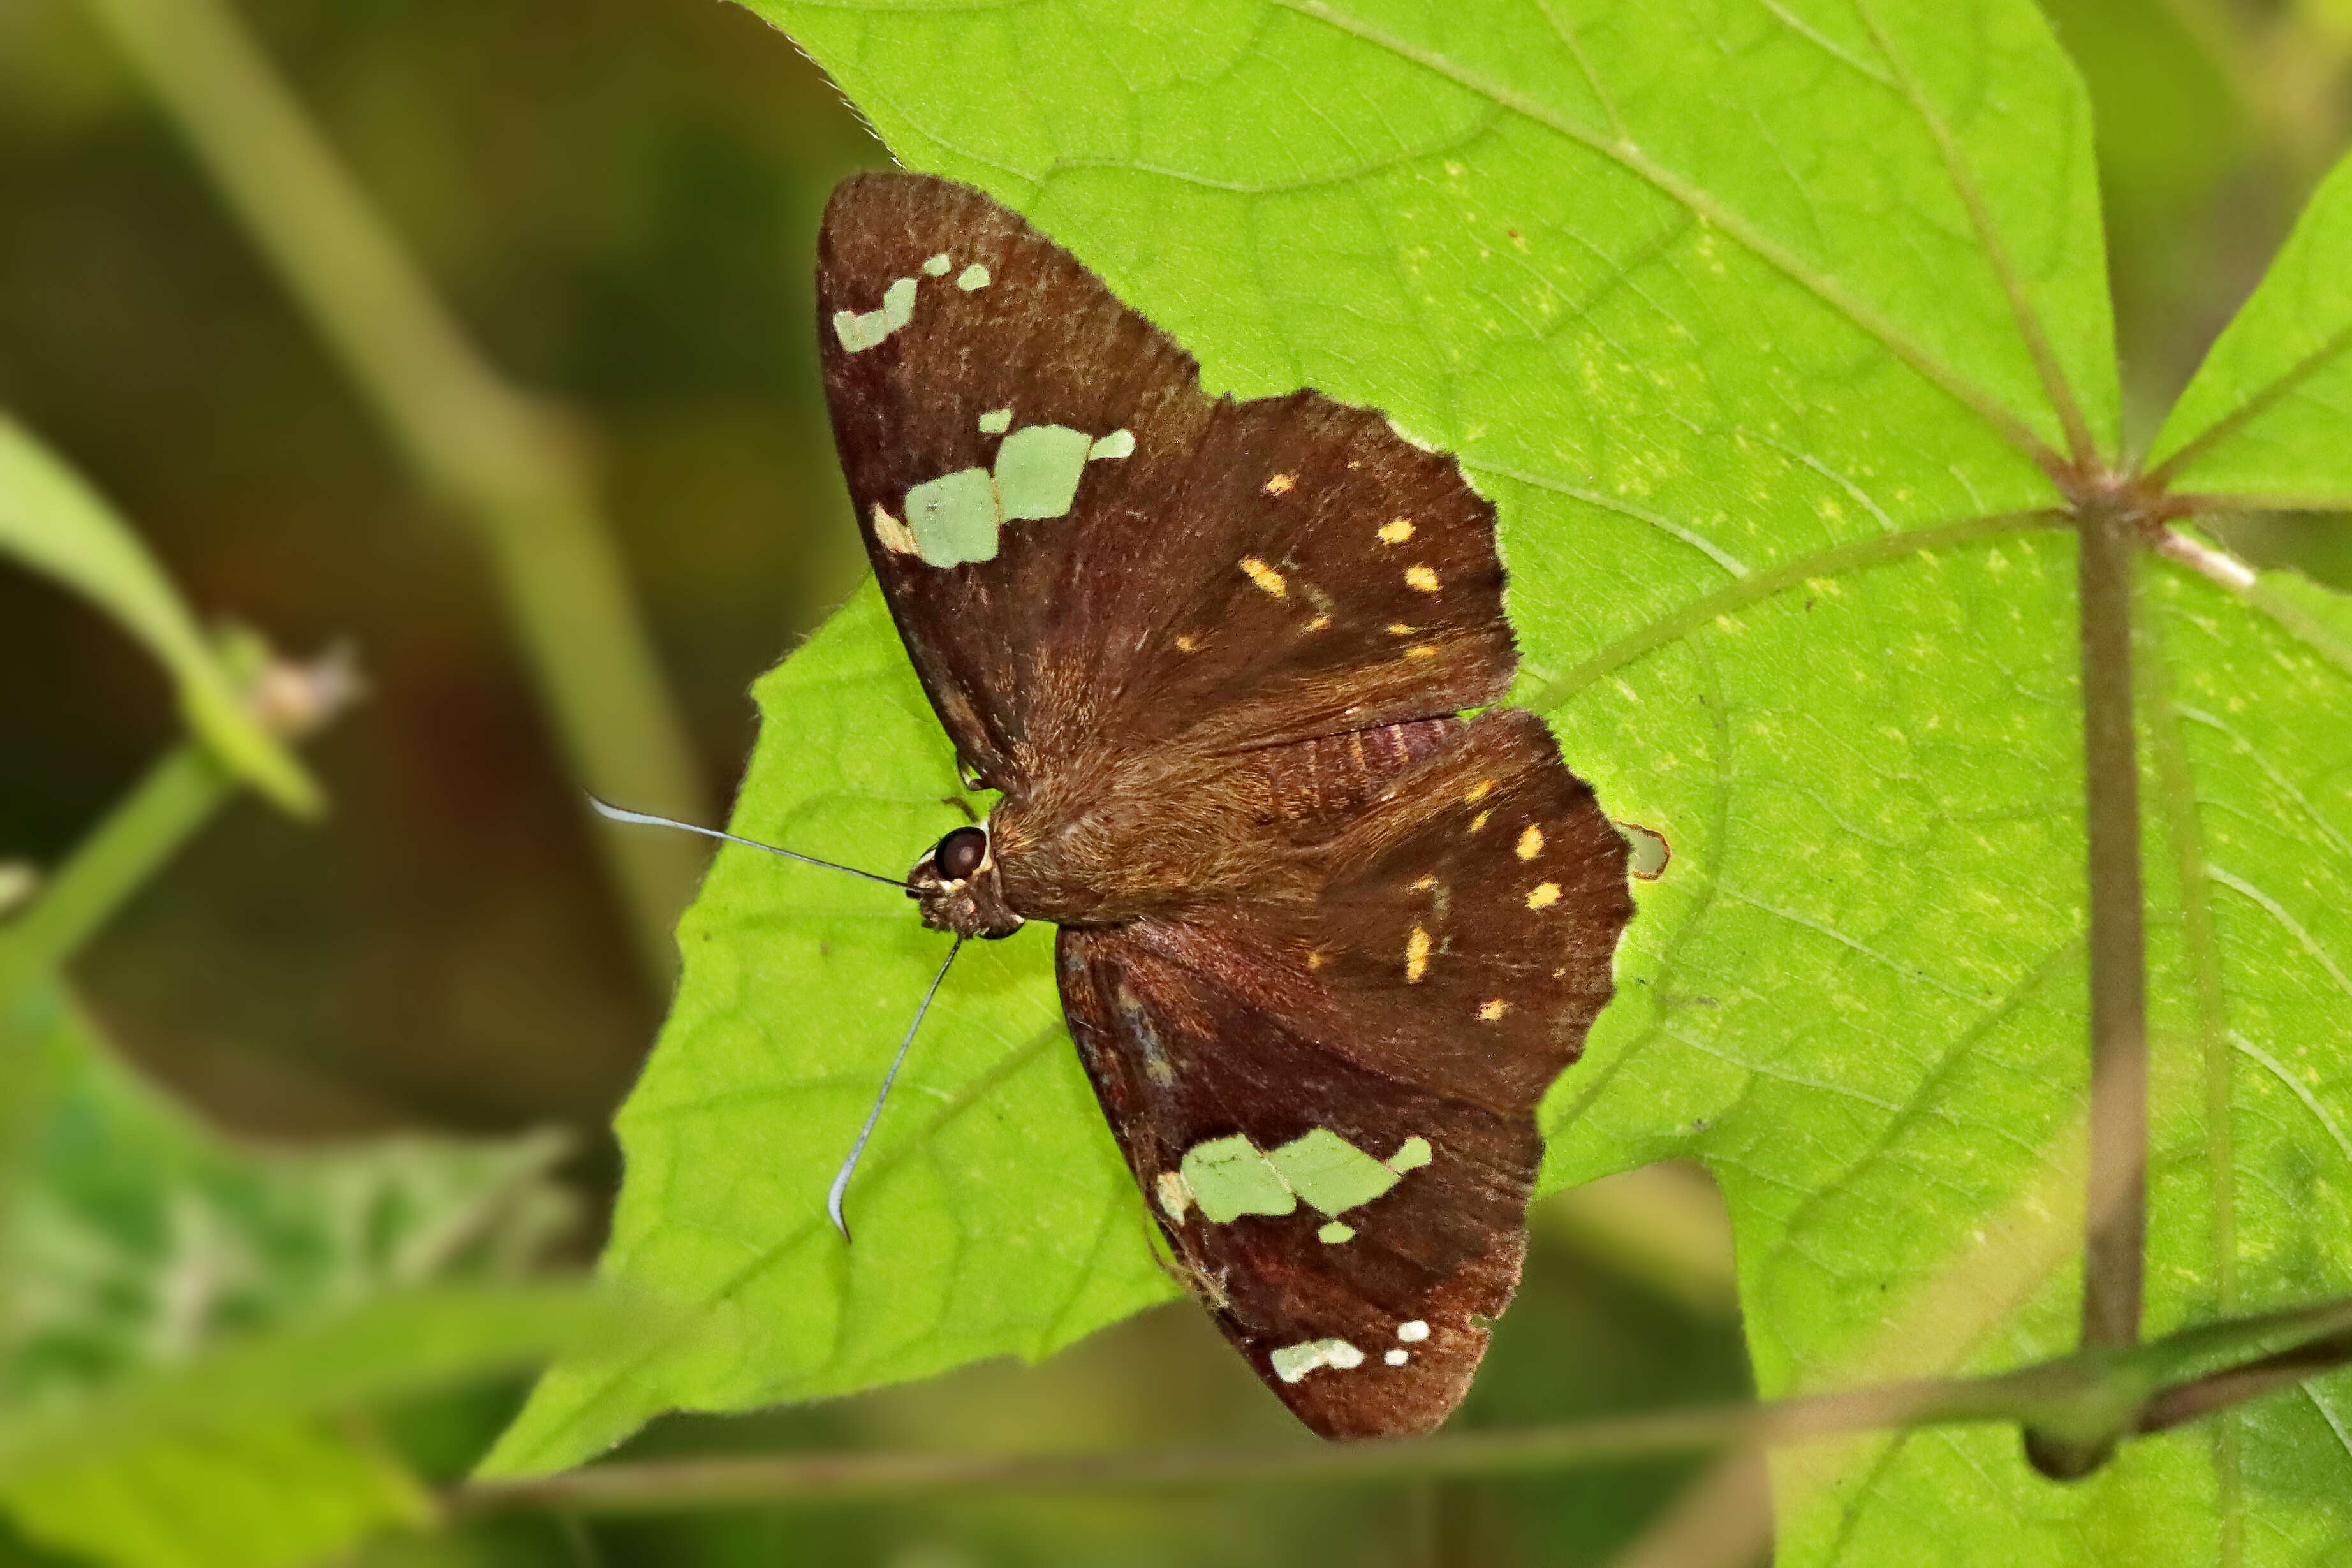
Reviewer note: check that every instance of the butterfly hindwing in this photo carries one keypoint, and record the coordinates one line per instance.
(1080, 547)
(1266, 1068)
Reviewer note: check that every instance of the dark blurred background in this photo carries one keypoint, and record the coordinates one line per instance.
(619, 200)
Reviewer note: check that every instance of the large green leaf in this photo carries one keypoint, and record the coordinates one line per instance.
(1764, 325)
(56, 524)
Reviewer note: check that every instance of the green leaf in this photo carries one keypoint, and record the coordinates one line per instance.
(181, 1321)
(2264, 419)
(231, 1459)
(261, 1495)
(993, 1213)
(57, 525)
(1761, 324)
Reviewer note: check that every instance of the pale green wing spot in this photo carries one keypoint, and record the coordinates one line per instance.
(954, 517)
(898, 303)
(1038, 470)
(1411, 1155)
(1334, 1233)
(1117, 443)
(861, 330)
(972, 278)
(1330, 1173)
(996, 422)
(938, 265)
(1293, 1362)
(1230, 1178)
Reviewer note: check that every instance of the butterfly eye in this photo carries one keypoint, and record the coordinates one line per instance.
(961, 854)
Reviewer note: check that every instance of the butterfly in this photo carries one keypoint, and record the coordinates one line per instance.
(1324, 940)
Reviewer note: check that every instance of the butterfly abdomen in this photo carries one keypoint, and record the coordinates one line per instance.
(1316, 785)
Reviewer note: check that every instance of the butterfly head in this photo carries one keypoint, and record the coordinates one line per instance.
(957, 886)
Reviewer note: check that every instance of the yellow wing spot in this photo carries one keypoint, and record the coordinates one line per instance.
(1315, 958)
(1422, 884)
(1543, 895)
(1319, 624)
(1187, 644)
(1478, 792)
(1531, 842)
(1399, 629)
(1282, 484)
(1397, 532)
(1422, 577)
(1479, 820)
(1416, 955)
(1493, 1010)
(1421, 651)
(891, 534)
(1265, 577)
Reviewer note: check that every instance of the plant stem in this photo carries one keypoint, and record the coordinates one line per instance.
(2116, 1199)
(161, 814)
(2280, 1348)
(510, 465)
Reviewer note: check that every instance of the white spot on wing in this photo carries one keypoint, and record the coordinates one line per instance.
(1175, 1196)
(1413, 1333)
(972, 278)
(1293, 1362)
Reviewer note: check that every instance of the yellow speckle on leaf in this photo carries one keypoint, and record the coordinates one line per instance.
(1543, 895)
(1264, 576)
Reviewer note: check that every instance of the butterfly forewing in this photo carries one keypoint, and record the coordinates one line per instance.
(1239, 572)
(1324, 942)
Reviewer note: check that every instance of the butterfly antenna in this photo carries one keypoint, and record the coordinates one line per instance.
(647, 819)
(841, 1178)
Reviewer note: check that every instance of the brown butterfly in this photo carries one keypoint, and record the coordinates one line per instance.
(1324, 941)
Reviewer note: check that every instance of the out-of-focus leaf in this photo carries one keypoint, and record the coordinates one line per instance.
(182, 1321)
(59, 526)
(268, 1494)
